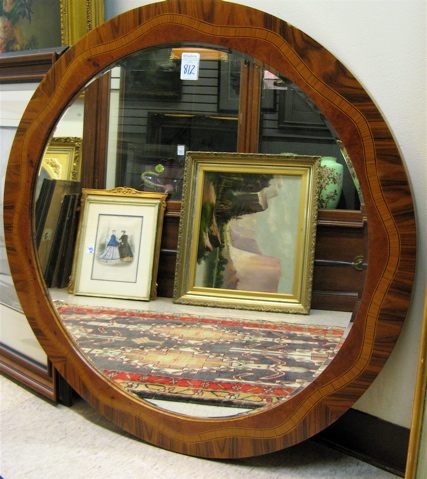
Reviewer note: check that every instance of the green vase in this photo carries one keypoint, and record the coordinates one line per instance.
(351, 169)
(330, 177)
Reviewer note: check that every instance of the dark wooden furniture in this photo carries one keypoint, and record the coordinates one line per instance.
(389, 218)
(39, 377)
(28, 67)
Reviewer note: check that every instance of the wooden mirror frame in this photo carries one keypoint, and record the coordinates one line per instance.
(388, 201)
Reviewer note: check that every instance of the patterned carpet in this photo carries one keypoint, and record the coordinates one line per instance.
(241, 363)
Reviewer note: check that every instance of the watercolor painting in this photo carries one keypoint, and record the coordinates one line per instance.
(118, 245)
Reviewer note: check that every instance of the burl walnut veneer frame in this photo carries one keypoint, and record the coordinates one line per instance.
(389, 210)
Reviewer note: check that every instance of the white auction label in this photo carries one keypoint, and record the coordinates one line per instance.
(180, 150)
(190, 66)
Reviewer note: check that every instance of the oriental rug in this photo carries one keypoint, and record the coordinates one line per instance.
(202, 359)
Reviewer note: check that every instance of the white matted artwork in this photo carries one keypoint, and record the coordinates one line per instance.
(117, 251)
(118, 244)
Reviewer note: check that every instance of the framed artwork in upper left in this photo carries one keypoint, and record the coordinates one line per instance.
(33, 25)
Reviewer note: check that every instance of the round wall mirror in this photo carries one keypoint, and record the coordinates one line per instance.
(119, 98)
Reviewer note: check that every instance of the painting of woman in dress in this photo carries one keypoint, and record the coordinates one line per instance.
(117, 248)
(111, 253)
(125, 250)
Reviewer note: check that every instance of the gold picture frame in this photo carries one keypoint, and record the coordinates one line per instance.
(247, 231)
(62, 158)
(36, 26)
(118, 244)
(416, 464)
(78, 17)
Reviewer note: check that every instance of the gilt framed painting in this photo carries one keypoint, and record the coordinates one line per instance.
(118, 244)
(247, 231)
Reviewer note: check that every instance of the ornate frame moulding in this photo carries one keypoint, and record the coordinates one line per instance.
(219, 266)
(62, 158)
(79, 17)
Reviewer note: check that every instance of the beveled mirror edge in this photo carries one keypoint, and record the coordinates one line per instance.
(391, 225)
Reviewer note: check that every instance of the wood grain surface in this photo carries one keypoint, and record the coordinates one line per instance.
(388, 201)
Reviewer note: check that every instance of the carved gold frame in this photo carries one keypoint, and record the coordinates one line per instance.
(78, 17)
(292, 261)
(62, 158)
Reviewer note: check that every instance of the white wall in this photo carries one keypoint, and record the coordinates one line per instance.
(383, 43)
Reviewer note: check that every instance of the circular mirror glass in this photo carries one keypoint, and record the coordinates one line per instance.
(167, 354)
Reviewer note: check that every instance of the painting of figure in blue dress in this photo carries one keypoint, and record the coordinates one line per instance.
(110, 254)
(117, 248)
